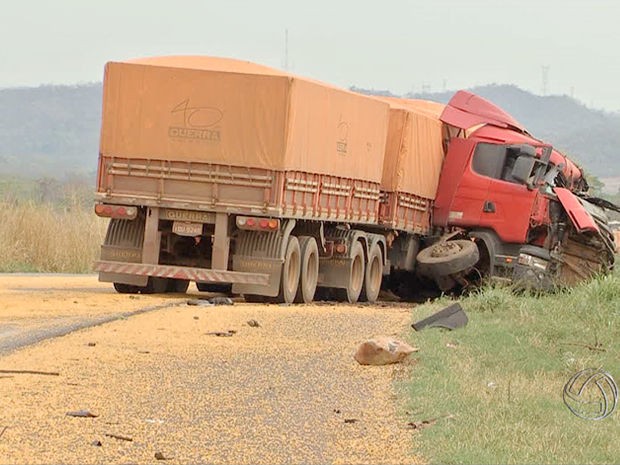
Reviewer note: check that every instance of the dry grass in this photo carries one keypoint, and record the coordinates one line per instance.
(44, 238)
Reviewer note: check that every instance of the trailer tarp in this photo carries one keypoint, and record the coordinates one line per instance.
(231, 112)
(414, 149)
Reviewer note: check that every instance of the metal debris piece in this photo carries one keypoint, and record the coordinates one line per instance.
(96, 443)
(30, 372)
(350, 420)
(221, 300)
(118, 436)
(199, 302)
(91, 344)
(451, 317)
(82, 414)
(228, 333)
(253, 323)
(160, 456)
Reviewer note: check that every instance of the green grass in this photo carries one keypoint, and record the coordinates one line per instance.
(503, 381)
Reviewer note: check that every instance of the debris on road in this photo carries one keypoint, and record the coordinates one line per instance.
(160, 456)
(29, 372)
(82, 414)
(91, 344)
(253, 323)
(96, 443)
(218, 300)
(228, 333)
(424, 423)
(350, 420)
(383, 350)
(119, 437)
(451, 317)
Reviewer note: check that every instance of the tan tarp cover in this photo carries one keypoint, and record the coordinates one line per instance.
(232, 112)
(414, 149)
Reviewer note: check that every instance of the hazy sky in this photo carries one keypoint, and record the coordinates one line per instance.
(397, 45)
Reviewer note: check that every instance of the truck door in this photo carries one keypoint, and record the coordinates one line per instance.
(508, 203)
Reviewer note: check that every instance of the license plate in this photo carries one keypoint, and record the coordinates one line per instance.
(183, 228)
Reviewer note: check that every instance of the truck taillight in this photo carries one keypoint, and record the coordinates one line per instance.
(258, 224)
(116, 211)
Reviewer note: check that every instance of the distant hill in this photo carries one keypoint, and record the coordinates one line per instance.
(50, 131)
(53, 131)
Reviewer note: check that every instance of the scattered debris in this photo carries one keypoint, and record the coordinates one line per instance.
(383, 350)
(96, 443)
(195, 317)
(160, 456)
(491, 385)
(4, 428)
(82, 414)
(228, 333)
(253, 323)
(350, 420)
(144, 352)
(218, 300)
(91, 344)
(451, 345)
(424, 423)
(29, 372)
(118, 436)
(154, 420)
(336, 410)
(200, 302)
(451, 317)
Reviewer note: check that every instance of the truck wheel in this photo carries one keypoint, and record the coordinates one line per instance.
(155, 286)
(447, 257)
(373, 275)
(356, 276)
(289, 281)
(214, 287)
(177, 285)
(309, 270)
(123, 288)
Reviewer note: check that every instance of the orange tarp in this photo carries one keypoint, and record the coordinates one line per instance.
(231, 112)
(414, 149)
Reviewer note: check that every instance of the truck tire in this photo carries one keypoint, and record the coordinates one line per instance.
(289, 281)
(177, 285)
(373, 275)
(447, 257)
(122, 288)
(215, 287)
(356, 276)
(309, 270)
(155, 286)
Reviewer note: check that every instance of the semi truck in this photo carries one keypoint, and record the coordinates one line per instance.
(244, 178)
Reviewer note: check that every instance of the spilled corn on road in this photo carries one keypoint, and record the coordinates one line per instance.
(288, 391)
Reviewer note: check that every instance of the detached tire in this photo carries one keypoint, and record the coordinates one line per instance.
(447, 257)
(373, 275)
(289, 281)
(309, 270)
(356, 276)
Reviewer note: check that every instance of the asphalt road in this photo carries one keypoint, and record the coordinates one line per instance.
(161, 386)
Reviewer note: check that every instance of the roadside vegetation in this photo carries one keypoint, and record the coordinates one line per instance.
(496, 385)
(47, 226)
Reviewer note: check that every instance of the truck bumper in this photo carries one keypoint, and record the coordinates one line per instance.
(201, 275)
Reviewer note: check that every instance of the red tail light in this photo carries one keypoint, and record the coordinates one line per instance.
(258, 224)
(116, 211)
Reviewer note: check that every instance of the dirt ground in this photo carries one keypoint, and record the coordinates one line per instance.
(288, 391)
